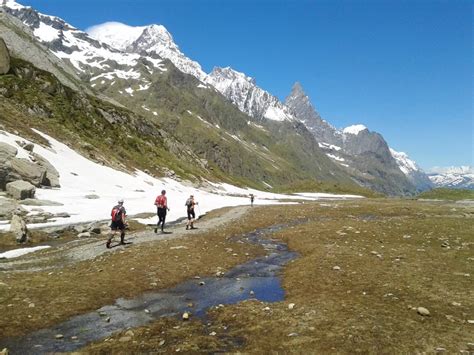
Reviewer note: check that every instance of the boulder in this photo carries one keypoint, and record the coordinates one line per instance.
(10, 207)
(20, 189)
(7, 152)
(52, 175)
(4, 58)
(19, 229)
(23, 169)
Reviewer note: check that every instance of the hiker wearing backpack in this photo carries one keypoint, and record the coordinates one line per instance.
(161, 203)
(190, 203)
(118, 223)
(252, 198)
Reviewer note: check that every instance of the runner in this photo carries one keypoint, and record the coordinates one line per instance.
(119, 223)
(161, 204)
(190, 203)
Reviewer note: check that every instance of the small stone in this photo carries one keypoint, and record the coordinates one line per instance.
(440, 350)
(161, 343)
(102, 314)
(457, 304)
(202, 283)
(291, 306)
(470, 346)
(423, 311)
(124, 339)
(129, 333)
(107, 319)
(470, 321)
(59, 336)
(31, 305)
(336, 268)
(266, 309)
(252, 293)
(147, 311)
(185, 316)
(212, 333)
(4, 351)
(293, 334)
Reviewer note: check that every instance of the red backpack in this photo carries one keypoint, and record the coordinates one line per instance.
(160, 201)
(116, 214)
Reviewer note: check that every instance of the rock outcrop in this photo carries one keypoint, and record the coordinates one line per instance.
(23, 169)
(19, 229)
(20, 189)
(52, 175)
(4, 58)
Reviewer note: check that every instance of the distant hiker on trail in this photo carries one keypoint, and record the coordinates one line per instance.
(161, 204)
(252, 197)
(190, 203)
(118, 215)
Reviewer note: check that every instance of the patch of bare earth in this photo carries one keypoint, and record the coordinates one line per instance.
(364, 269)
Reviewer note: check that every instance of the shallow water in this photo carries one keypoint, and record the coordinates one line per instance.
(259, 276)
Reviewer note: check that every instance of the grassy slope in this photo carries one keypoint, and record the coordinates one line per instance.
(448, 194)
(277, 153)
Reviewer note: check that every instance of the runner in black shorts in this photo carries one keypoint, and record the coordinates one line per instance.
(190, 203)
(118, 223)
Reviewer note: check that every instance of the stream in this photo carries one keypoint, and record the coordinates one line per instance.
(256, 279)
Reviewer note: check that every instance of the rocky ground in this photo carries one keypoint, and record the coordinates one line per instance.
(372, 276)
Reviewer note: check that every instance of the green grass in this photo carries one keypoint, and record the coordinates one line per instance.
(448, 194)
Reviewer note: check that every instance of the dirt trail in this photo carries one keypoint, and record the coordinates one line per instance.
(83, 250)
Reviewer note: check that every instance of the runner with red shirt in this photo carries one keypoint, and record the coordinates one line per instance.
(161, 203)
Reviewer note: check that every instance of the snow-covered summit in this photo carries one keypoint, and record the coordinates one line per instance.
(354, 129)
(243, 92)
(116, 34)
(146, 39)
(458, 177)
(404, 162)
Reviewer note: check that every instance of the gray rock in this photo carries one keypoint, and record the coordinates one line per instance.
(20, 189)
(84, 235)
(19, 229)
(23, 169)
(7, 152)
(4, 58)
(52, 175)
(92, 197)
(8, 207)
(28, 146)
(423, 311)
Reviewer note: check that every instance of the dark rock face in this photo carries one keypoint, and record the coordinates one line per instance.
(301, 107)
(4, 58)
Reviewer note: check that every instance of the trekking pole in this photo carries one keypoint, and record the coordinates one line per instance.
(199, 208)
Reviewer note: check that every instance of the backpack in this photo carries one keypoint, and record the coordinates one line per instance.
(116, 214)
(189, 203)
(160, 201)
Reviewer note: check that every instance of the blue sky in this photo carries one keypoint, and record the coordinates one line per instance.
(402, 68)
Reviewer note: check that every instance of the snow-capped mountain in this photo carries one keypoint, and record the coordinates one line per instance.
(453, 177)
(414, 173)
(243, 92)
(145, 40)
(364, 153)
(240, 89)
(91, 59)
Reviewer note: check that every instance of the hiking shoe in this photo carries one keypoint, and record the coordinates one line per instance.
(107, 245)
(187, 227)
(156, 230)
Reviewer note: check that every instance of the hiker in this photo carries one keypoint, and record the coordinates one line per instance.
(252, 197)
(161, 204)
(190, 203)
(119, 223)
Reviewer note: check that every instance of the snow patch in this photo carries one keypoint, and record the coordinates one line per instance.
(21, 251)
(355, 129)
